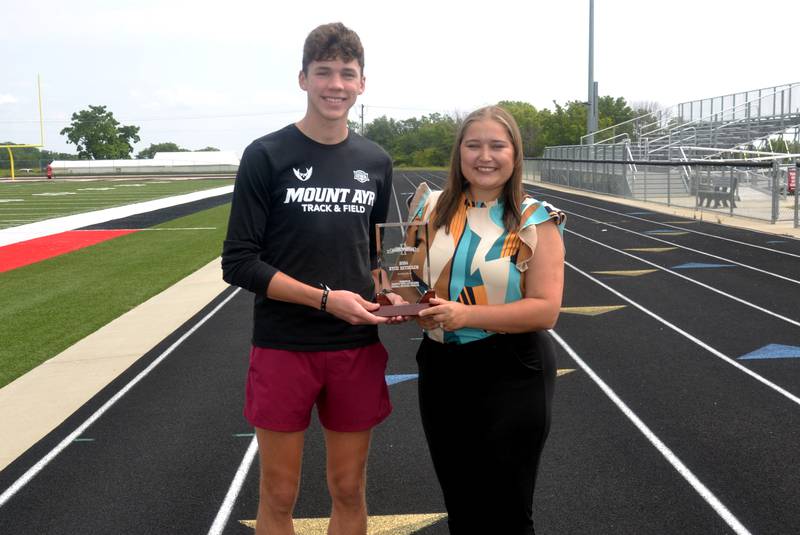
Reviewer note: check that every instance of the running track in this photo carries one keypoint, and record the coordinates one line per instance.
(662, 427)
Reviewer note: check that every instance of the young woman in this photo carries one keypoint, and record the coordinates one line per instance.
(486, 363)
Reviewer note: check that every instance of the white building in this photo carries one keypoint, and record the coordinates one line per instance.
(182, 163)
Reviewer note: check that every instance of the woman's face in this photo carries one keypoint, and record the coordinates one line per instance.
(487, 158)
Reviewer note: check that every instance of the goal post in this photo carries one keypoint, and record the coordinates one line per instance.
(9, 147)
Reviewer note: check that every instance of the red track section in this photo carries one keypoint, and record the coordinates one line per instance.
(32, 251)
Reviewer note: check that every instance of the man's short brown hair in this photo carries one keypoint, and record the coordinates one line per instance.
(333, 41)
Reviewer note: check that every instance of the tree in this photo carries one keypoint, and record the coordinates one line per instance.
(611, 112)
(565, 125)
(150, 151)
(31, 157)
(424, 142)
(530, 125)
(383, 131)
(98, 135)
(208, 149)
(427, 140)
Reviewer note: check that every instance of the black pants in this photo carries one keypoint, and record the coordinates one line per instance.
(485, 410)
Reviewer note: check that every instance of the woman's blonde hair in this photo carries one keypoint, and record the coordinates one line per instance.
(512, 194)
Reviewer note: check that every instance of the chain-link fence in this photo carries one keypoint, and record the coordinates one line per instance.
(23, 167)
(763, 190)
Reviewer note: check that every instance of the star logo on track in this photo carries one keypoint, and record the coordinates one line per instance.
(377, 525)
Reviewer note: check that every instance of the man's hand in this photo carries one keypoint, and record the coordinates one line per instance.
(352, 308)
(396, 299)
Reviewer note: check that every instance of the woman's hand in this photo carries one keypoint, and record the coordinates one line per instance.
(444, 314)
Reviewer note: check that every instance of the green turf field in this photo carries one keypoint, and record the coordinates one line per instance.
(25, 201)
(48, 306)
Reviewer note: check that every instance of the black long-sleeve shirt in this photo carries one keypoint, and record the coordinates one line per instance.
(308, 210)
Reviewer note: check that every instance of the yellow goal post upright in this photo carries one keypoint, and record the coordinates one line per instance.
(41, 132)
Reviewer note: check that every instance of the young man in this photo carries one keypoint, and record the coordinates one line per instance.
(301, 237)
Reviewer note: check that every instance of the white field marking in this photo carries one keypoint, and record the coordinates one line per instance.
(680, 228)
(684, 277)
(225, 509)
(44, 461)
(54, 194)
(692, 338)
(71, 222)
(662, 448)
(12, 200)
(722, 258)
(48, 208)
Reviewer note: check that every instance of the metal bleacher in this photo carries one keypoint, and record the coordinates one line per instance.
(757, 125)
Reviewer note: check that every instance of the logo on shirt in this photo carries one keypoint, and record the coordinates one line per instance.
(361, 176)
(303, 176)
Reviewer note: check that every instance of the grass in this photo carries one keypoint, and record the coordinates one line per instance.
(48, 306)
(25, 201)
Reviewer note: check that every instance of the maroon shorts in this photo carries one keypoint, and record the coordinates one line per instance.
(348, 386)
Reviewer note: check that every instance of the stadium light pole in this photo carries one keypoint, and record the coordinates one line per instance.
(591, 116)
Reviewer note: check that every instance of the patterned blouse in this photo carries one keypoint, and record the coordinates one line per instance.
(479, 262)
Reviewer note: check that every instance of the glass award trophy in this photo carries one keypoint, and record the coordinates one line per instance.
(403, 263)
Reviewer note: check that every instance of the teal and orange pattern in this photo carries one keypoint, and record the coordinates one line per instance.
(479, 262)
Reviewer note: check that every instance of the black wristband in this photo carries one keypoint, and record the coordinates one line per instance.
(324, 301)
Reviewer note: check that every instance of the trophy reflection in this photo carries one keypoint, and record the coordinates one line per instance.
(404, 268)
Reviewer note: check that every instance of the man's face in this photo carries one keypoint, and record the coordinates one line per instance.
(332, 87)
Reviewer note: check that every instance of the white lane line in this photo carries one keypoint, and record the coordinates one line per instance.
(692, 338)
(662, 448)
(44, 461)
(413, 186)
(225, 509)
(434, 187)
(397, 204)
(684, 277)
(674, 226)
(434, 177)
(724, 259)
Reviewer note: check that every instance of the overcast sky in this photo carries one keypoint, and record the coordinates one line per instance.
(220, 73)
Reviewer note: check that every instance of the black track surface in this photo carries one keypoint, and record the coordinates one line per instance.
(162, 458)
(156, 217)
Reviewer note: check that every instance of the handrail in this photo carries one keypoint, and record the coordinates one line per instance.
(686, 178)
(623, 136)
(614, 126)
(663, 111)
(631, 165)
(769, 155)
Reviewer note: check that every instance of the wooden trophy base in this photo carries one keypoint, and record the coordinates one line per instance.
(412, 309)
